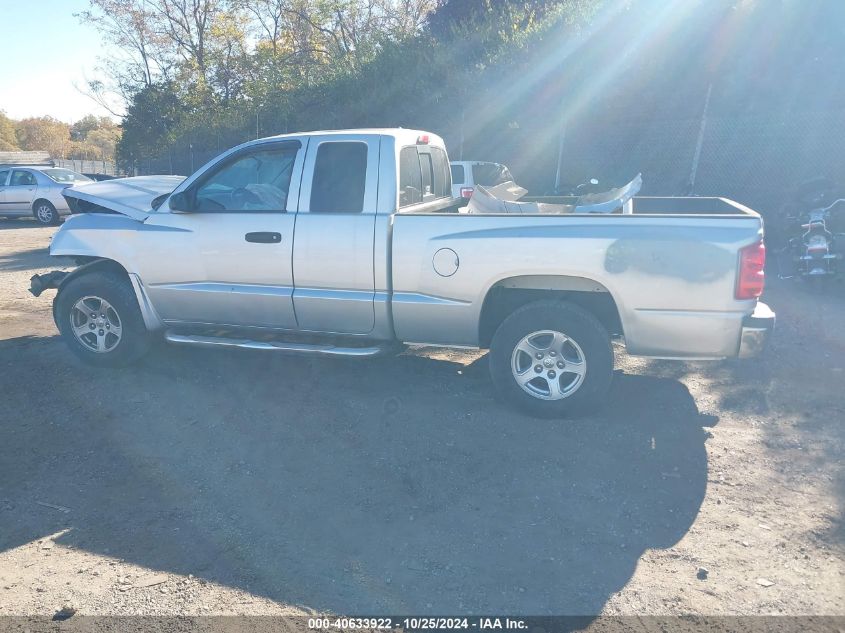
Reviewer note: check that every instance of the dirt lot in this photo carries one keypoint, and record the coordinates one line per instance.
(231, 482)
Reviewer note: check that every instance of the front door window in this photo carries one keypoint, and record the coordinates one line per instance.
(255, 182)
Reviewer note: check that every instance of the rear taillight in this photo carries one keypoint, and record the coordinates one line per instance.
(752, 275)
(466, 192)
(818, 244)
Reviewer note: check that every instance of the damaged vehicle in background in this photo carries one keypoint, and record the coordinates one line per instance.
(466, 174)
(36, 191)
(350, 243)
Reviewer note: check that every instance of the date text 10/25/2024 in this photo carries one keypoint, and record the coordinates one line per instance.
(418, 623)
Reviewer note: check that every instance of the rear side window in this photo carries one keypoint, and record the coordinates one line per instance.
(340, 174)
(410, 179)
(4, 174)
(442, 175)
(458, 176)
(22, 178)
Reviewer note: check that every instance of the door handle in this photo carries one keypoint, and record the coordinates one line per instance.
(263, 237)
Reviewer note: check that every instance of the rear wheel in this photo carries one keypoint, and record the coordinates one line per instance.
(552, 358)
(98, 317)
(45, 213)
(818, 283)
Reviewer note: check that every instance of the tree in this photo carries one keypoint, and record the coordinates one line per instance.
(80, 130)
(131, 27)
(229, 63)
(508, 16)
(151, 120)
(44, 134)
(8, 140)
(103, 142)
(211, 49)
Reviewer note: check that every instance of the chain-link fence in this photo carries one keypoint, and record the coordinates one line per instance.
(179, 160)
(87, 166)
(756, 159)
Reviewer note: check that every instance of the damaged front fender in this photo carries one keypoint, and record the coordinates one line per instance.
(52, 280)
(58, 278)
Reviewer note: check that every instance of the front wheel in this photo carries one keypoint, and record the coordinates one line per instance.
(98, 317)
(45, 213)
(552, 358)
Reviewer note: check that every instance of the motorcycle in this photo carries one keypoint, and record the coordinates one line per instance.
(815, 240)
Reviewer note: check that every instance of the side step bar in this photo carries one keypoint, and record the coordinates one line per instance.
(278, 346)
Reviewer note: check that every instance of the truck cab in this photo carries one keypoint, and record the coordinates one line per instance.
(280, 233)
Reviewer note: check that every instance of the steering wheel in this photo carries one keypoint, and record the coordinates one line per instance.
(243, 196)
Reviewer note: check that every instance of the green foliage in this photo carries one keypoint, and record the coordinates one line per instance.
(151, 121)
(44, 134)
(81, 130)
(332, 63)
(93, 138)
(496, 78)
(8, 140)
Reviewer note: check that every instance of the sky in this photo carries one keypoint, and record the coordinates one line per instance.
(45, 51)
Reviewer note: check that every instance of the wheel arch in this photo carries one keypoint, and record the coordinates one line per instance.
(39, 199)
(103, 264)
(508, 294)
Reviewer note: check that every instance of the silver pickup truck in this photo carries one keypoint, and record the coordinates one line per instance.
(349, 243)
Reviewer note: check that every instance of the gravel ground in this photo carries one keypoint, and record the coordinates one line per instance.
(228, 482)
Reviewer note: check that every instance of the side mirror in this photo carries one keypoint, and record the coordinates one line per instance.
(180, 202)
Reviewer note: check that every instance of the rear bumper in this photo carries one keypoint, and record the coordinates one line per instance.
(756, 329)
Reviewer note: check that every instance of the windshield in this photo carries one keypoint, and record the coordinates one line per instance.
(65, 175)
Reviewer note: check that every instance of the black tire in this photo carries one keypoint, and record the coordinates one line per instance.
(579, 326)
(818, 284)
(45, 213)
(134, 340)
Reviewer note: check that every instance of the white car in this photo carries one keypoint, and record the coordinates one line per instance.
(468, 173)
(36, 191)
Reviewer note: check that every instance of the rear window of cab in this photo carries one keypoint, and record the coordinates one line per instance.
(424, 175)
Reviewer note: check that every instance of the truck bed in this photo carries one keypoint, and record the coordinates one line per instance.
(664, 205)
(670, 268)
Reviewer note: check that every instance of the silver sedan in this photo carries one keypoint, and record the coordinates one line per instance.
(36, 191)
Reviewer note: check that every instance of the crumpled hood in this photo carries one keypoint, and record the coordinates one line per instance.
(132, 197)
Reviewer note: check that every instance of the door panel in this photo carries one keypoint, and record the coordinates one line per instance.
(229, 262)
(333, 250)
(21, 191)
(4, 178)
(333, 270)
(206, 271)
